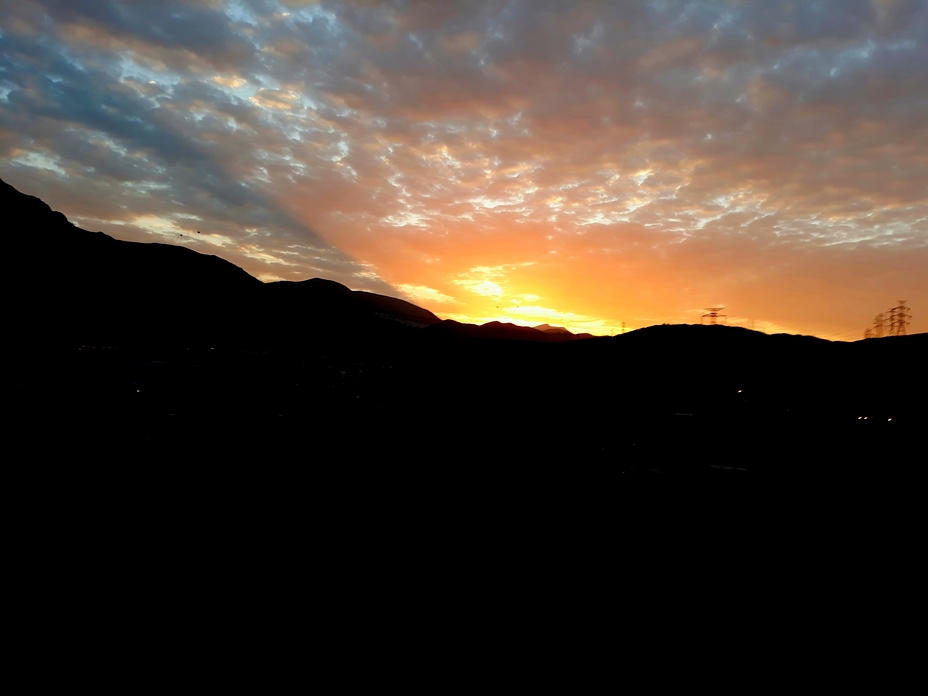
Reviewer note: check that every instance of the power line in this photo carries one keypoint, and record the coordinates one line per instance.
(841, 333)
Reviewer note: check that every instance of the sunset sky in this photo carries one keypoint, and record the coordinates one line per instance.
(578, 163)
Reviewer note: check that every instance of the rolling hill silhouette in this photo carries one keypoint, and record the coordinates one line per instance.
(168, 353)
(500, 331)
(98, 290)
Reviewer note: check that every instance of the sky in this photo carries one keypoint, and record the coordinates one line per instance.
(579, 163)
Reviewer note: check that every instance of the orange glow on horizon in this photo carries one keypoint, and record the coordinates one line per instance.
(580, 165)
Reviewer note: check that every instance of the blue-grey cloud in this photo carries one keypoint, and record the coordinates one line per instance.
(141, 152)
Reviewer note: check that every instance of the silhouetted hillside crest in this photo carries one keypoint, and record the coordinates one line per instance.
(95, 288)
(88, 287)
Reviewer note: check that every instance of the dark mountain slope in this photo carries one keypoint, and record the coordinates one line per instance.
(399, 310)
(84, 287)
(325, 300)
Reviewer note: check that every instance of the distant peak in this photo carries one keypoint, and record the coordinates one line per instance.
(328, 284)
(547, 328)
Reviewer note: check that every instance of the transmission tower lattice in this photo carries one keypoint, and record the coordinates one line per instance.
(712, 314)
(898, 319)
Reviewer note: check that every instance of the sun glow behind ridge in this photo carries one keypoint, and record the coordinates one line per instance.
(583, 166)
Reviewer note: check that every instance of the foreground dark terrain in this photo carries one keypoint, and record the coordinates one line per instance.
(107, 361)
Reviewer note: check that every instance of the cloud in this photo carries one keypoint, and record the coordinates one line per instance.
(174, 31)
(639, 155)
(123, 153)
(426, 295)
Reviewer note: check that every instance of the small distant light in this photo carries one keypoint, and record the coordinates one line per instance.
(866, 417)
(138, 391)
(860, 417)
(888, 419)
(739, 391)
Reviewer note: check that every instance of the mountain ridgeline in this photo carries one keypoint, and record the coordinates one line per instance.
(186, 355)
(101, 290)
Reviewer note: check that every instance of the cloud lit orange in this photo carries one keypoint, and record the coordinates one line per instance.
(579, 163)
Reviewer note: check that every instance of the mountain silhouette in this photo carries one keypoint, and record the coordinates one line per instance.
(500, 331)
(170, 354)
(547, 328)
(95, 289)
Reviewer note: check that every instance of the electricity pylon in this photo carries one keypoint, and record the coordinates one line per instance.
(898, 319)
(712, 313)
